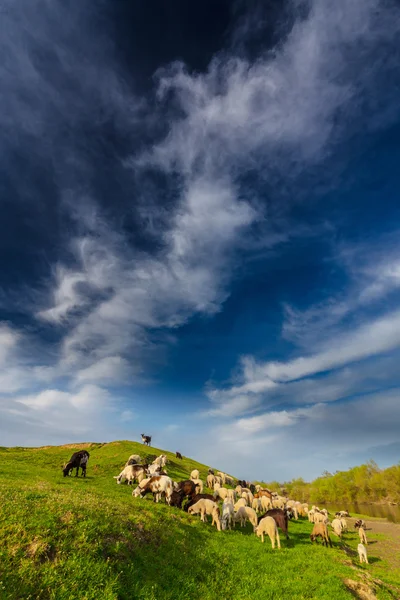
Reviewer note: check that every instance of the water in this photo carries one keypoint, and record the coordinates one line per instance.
(389, 512)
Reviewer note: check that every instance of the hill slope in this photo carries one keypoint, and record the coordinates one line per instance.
(88, 539)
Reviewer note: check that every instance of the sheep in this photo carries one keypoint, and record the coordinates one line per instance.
(206, 507)
(158, 486)
(320, 518)
(240, 515)
(78, 459)
(221, 493)
(218, 480)
(130, 473)
(217, 486)
(176, 498)
(344, 524)
(160, 460)
(337, 527)
(146, 439)
(265, 502)
(239, 503)
(300, 509)
(228, 513)
(280, 517)
(134, 459)
(362, 553)
(268, 526)
(256, 505)
(238, 490)
(228, 479)
(232, 496)
(278, 503)
(154, 469)
(210, 481)
(199, 485)
(222, 476)
(363, 537)
(196, 498)
(195, 474)
(321, 530)
(252, 516)
(137, 491)
(179, 455)
(248, 496)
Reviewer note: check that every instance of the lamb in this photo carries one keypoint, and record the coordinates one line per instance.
(130, 473)
(268, 526)
(78, 459)
(321, 530)
(210, 481)
(206, 507)
(228, 513)
(363, 537)
(362, 553)
(337, 527)
(134, 459)
(159, 485)
(194, 474)
(199, 485)
(146, 439)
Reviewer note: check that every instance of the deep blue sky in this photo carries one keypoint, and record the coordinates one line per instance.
(200, 229)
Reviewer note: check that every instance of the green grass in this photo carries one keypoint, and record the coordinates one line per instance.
(88, 539)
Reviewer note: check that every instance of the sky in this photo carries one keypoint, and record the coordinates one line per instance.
(199, 237)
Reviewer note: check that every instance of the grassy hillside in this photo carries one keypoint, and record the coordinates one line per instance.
(88, 539)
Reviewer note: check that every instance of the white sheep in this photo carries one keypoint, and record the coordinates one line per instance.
(228, 514)
(265, 503)
(252, 516)
(239, 503)
(241, 516)
(199, 485)
(337, 527)
(238, 490)
(155, 469)
(206, 507)
(217, 479)
(344, 524)
(232, 496)
(362, 553)
(217, 486)
(222, 476)
(363, 537)
(268, 526)
(256, 505)
(160, 460)
(195, 474)
(130, 473)
(210, 481)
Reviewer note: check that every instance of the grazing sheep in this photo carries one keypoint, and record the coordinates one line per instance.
(256, 505)
(217, 485)
(232, 495)
(268, 526)
(130, 473)
(195, 474)
(337, 527)
(199, 485)
(78, 459)
(252, 516)
(196, 498)
(222, 476)
(238, 490)
(146, 439)
(179, 455)
(239, 503)
(221, 493)
(280, 517)
(228, 479)
(362, 553)
(134, 459)
(266, 503)
(210, 481)
(206, 507)
(218, 480)
(363, 537)
(241, 516)
(321, 530)
(228, 513)
(320, 518)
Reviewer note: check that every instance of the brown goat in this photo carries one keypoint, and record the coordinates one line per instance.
(321, 530)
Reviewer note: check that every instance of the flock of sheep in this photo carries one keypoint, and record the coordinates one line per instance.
(265, 510)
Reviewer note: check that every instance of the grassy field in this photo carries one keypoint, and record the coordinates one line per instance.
(88, 539)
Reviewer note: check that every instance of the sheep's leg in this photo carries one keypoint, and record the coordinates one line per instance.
(278, 540)
(262, 538)
(272, 538)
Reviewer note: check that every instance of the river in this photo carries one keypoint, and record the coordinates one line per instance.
(390, 512)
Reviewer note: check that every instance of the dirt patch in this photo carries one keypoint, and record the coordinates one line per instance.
(360, 590)
(40, 550)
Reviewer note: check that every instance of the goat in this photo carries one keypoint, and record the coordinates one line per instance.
(179, 455)
(196, 498)
(78, 459)
(146, 439)
(321, 530)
